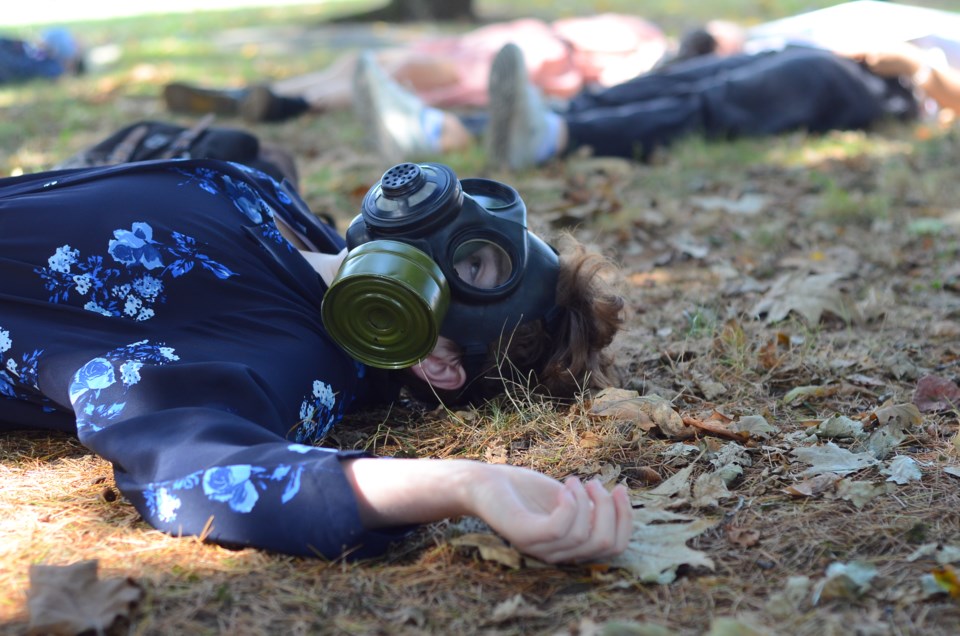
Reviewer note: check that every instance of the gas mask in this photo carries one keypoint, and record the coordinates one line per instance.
(432, 255)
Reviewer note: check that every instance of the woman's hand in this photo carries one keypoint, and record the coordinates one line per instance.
(553, 521)
(540, 516)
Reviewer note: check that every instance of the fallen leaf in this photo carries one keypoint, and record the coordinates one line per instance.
(609, 473)
(865, 380)
(844, 581)
(944, 329)
(756, 426)
(495, 454)
(859, 493)
(836, 259)
(490, 547)
(946, 577)
(803, 392)
(708, 490)
(749, 204)
(884, 441)
(830, 458)
(731, 453)
(902, 469)
(808, 295)
(512, 608)
(588, 627)
(589, 439)
(787, 602)
(663, 495)
(685, 243)
(680, 449)
(407, 616)
(814, 486)
(711, 389)
(656, 551)
(934, 393)
(839, 427)
(944, 554)
(901, 366)
(645, 412)
(71, 599)
(743, 537)
(727, 626)
(901, 416)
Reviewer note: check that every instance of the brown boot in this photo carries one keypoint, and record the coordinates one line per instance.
(262, 104)
(184, 98)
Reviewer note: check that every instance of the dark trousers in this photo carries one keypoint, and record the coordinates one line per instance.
(20, 61)
(723, 98)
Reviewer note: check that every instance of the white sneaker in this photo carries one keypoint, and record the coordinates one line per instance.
(518, 117)
(392, 116)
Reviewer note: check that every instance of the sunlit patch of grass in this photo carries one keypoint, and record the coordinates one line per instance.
(842, 206)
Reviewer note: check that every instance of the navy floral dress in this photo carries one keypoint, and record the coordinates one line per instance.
(155, 309)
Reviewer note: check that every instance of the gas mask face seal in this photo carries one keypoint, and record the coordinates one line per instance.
(432, 255)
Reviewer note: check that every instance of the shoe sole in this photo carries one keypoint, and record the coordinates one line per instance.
(365, 106)
(255, 106)
(507, 93)
(182, 98)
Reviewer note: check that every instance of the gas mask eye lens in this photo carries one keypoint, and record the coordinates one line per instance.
(482, 264)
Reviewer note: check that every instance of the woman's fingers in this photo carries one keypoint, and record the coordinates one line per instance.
(624, 518)
(609, 525)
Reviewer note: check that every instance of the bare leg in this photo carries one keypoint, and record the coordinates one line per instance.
(332, 88)
(454, 135)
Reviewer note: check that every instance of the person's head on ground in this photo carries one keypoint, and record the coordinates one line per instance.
(433, 256)
(61, 45)
(716, 37)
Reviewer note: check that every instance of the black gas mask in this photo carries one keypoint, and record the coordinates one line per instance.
(432, 255)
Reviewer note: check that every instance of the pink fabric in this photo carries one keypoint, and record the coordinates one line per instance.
(562, 57)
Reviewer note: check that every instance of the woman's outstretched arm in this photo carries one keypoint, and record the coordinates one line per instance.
(540, 516)
(939, 82)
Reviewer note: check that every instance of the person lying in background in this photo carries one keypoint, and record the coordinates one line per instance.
(562, 57)
(56, 53)
(720, 97)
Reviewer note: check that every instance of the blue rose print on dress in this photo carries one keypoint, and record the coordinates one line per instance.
(239, 486)
(245, 198)
(132, 292)
(93, 376)
(98, 387)
(135, 247)
(231, 484)
(18, 379)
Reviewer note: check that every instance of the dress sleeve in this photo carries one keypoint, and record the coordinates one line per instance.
(189, 452)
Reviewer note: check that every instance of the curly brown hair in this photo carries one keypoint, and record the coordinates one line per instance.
(571, 356)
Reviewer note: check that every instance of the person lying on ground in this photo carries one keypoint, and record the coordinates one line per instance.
(56, 53)
(562, 57)
(197, 326)
(719, 97)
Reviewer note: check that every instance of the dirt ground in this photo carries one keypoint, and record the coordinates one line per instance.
(792, 302)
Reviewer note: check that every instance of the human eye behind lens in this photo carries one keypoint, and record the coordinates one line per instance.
(482, 264)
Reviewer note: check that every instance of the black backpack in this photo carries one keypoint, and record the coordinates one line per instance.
(146, 140)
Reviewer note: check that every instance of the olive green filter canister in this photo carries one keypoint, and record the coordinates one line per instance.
(386, 304)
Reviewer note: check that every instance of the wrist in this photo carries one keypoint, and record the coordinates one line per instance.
(466, 484)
